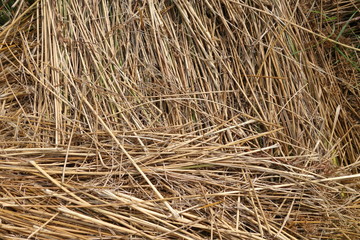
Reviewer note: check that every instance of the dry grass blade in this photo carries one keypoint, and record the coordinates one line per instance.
(179, 119)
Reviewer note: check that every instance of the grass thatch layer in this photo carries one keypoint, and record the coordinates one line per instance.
(180, 119)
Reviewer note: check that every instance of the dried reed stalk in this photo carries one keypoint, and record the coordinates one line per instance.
(179, 119)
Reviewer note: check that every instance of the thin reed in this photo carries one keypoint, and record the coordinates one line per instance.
(179, 119)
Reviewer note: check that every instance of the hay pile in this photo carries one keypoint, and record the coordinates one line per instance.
(179, 119)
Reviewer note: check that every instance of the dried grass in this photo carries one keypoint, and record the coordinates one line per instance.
(180, 120)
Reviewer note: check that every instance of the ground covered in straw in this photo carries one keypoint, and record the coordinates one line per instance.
(179, 119)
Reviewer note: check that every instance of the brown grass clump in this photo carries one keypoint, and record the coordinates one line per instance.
(180, 119)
